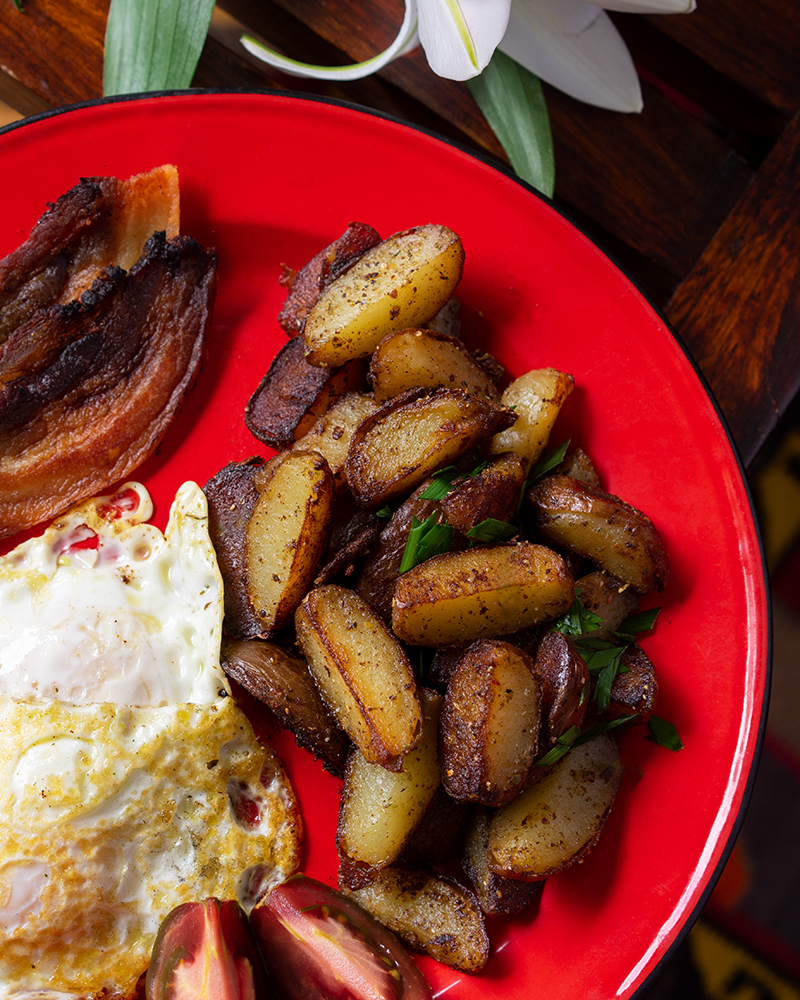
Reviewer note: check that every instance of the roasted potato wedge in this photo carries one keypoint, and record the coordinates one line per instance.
(362, 673)
(492, 493)
(410, 358)
(379, 809)
(537, 398)
(565, 687)
(480, 592)
(556, 821)
(495, 893)
(306, 285)
(609, 599)
(615, 536)
(294, 394)
(378, 576)
(286, 535)
(576, 463)
(232, 496)
(635, 688)
(331, 434)
(283, 682)
(402, 282)
(489, 727)
(431, 913)
(412, 436)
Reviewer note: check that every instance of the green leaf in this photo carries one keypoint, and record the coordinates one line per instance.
(603, 727)
(664, 733)
(562, 746)
(513, 104)
(153, 44)
(577, 620)
(643, 621)
(441, 485)
(425, 539)
(492, 530)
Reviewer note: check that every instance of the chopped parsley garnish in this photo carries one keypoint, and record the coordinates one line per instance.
(577, 620)
(492, 530)
(425, 539)
(664, 733)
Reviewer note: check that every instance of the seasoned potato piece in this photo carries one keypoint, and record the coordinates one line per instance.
(409, 358)
(293, 394)
(618, 538)
(307, 284)
(489, 728)
(577, 464)
(557, 821)
(537, 398)
(608, 599)
(495, 893)
(491, 493)
(431, 913)
(484, 591)
(635, 688)
(362, 673)
(283, 682)
(380, 809)
(379, 573)
(232, 496)
(402, 282)
(414, 434)
(565, 686)
(331, 434)
(286, 534)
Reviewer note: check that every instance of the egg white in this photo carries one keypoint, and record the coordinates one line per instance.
(123, 757)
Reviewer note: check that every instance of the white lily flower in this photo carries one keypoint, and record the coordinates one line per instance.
(572, 44)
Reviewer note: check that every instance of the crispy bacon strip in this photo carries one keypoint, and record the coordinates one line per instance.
(87, 389)
(99, 222)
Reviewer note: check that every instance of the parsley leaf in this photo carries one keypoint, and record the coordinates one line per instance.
(643, 621)
(577, 620)
(425, 539)
(492, 530)
(664, 733)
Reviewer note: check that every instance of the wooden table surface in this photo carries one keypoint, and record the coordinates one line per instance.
(698, 197)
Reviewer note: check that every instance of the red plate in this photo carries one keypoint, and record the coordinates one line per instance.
(270, 178)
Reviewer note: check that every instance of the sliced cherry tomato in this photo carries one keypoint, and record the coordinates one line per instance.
(320, 945)
(206, 951)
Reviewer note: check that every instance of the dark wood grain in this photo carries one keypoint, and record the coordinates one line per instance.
(739, 310)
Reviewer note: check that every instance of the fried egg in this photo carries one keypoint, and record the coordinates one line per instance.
(130, 781)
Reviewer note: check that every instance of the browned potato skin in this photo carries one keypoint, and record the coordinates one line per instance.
(617, 537)
(282, 681)
(362, 672)
(555, 822)
(578, 465)
(330, 434)
(489, 728)
(431, 913)
(565, 685)
(492, 493)
(293, 394)
(307, 284)
(481, 592)
(609, 599)
(635, 690)
(407, 359)
(286, 535)
(495, 893)
(379, 809)
(378, 576)
(425, 430)
(232, 496)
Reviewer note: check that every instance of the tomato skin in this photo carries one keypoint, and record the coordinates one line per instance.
(319, 945)
(206, 951)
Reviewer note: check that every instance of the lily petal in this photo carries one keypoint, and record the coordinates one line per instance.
(459, 36)
(647, 6)
(406, 39)
(574, 46)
